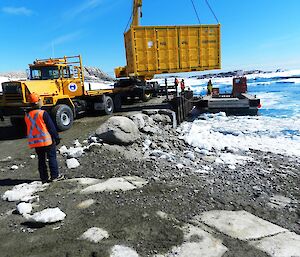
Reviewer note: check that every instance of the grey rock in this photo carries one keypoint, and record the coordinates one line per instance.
(150, 130)
(118, 130)
(139, 119)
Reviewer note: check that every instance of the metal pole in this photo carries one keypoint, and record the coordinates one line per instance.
(166, 84)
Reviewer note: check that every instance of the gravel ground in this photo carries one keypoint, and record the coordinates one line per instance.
(132, 217)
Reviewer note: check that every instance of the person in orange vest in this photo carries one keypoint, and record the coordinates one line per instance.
(42, 135)
(182, 85)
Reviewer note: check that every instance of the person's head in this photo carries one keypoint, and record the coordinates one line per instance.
(35, 100)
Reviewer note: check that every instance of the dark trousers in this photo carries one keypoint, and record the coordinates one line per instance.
(50, 153)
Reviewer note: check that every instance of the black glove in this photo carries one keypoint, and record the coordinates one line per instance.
(57, 141)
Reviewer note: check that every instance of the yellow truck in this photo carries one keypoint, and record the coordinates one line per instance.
(65, 93)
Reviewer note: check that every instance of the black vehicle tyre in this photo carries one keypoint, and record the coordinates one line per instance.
(63, 117)
(146, 97)
(19, 124)
(108, 105)
(118, 102)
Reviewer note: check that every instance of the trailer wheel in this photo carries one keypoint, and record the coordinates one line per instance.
(19, 124)
(146, 97)
(108, 105)
(63, 117)
(118, 102)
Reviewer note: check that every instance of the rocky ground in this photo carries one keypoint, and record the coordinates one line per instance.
(165, 199)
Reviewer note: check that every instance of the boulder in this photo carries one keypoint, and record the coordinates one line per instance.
(141, 120)
(118, 130)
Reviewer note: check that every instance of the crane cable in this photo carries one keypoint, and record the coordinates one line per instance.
(128, 22)
(130, 18)
(196, 11)
(212, 11)
(209, 9)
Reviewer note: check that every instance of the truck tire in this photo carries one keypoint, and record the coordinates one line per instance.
(19, 124)
(118, 102)
(63, 117)
(146, 96)
(108, 105)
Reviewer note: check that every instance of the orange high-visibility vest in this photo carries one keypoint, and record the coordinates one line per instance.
(37, 133)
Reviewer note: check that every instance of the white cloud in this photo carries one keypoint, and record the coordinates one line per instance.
(87, 5)
(17, 11)
(65, 38)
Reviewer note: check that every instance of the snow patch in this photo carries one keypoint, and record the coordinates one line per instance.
(240, 224)
(24, 192)
(122, 251)
(197, 242)
(116, 184)
(94, 235)
(86, 204)
(50, 215)
(281, 245)
(24, 208)
(72, 163)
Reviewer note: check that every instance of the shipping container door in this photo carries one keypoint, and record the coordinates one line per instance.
(209, 47)
(145, 49)
(189, 47)
(167, 49)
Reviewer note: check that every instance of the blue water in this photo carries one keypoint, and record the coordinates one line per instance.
(278, 98)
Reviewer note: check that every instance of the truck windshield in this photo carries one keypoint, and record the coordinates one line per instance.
(44, 73)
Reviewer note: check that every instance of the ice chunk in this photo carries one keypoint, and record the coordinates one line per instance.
(24, 192)
(94, 235)
(116, 184)
(240, 224)
(50, 215)
(122, 251)
(72, 163)
(24, 208)
(63, 149)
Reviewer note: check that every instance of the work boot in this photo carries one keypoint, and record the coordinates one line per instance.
(60, 177)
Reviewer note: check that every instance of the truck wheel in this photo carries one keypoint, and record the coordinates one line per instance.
(118, 102)
(108, 105)
(63, 117)
(19, 123)
(146, 97)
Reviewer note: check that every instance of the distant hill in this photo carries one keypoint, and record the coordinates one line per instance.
(90, 74)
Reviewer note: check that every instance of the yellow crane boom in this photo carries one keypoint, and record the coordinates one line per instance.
(136, 12)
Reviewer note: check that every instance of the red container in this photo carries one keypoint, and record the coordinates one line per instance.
(239, 86)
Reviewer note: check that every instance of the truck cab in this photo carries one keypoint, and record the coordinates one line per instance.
(61, 86)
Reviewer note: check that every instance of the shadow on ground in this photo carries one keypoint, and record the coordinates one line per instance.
(14, 182)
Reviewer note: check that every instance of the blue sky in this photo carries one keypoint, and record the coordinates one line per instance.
(262, 34)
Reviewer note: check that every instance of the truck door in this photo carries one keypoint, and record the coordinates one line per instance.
(72, 83)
